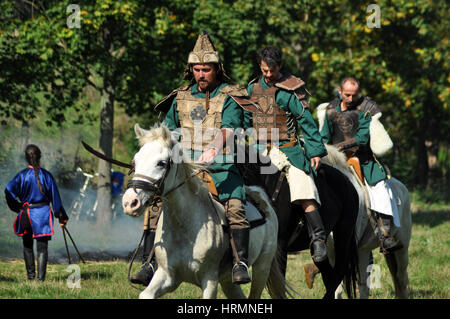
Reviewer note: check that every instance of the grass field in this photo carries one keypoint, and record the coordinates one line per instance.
(429, 271)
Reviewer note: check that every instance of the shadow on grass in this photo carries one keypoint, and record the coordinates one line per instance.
(96, 275)
(431, 218)
(8, 279)
(420, 293)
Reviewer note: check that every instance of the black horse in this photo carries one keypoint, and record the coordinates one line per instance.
(339, 211)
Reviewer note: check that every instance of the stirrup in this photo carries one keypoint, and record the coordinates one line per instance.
(246, 269)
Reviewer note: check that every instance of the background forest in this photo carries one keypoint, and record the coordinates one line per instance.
(88, 70)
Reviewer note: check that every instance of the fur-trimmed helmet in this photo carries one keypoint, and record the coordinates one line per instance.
(204, 52)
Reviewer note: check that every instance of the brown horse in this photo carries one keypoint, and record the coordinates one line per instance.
(339, 210)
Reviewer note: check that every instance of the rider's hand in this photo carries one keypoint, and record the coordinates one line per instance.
(315, 162)
(62, 222)
(207, 156)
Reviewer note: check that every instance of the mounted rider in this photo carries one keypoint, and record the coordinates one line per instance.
(349, 124)
(207, 113)
(284, 106)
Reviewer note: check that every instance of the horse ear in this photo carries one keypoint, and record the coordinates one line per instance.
(138, 131)
(166, 133)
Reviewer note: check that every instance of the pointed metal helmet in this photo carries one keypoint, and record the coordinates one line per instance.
(204, 51)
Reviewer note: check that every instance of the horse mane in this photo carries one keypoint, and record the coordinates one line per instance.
(335, 158)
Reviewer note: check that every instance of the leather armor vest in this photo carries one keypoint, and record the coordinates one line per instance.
(200, 123)
(270, 116)
(345, 124)
(201, 118)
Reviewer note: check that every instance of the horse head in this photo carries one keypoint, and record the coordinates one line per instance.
(152, 164)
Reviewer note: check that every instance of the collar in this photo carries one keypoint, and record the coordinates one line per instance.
(195, 91)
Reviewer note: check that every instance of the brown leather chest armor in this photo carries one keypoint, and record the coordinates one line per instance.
(271, 116)
(345, 124)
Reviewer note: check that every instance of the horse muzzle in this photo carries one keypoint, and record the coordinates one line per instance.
(131, 203)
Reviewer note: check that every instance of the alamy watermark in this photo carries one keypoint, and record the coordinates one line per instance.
(374, 19)
(73, 20)
(374, 278)
(74, 280)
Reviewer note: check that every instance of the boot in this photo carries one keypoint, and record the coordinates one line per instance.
(240, 236)
(388, 243)
(42, 258)
(145, 275)
(28, 255)
(318, 236)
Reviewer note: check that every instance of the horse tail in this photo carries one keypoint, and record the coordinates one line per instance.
(277, 286)
(352, 271)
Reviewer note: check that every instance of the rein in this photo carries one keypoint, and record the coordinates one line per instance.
(149, 185)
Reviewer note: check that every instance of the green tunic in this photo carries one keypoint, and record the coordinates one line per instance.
(313, 145)
(372, 171)
(226, 176)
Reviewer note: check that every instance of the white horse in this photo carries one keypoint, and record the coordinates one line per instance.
(191, 244)
(367, 237)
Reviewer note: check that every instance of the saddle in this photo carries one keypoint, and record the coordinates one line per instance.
(254, 207)
(354, 162)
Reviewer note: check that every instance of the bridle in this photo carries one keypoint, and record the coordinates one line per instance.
(148, 183)
(154, 185)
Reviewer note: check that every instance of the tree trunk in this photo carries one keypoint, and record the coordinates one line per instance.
(104, 212)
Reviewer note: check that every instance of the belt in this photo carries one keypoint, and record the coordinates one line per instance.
(33, 205)
(291, 143)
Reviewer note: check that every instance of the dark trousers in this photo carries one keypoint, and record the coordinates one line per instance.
(28, 253)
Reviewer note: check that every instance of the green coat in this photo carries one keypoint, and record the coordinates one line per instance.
(372, 171)
(313, 145)
(226, 176)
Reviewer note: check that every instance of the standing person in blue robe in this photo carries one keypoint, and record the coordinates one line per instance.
(30, 194)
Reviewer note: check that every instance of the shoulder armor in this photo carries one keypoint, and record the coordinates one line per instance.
(369, 106)
(234, 90)
(290, 83)
(165, 103)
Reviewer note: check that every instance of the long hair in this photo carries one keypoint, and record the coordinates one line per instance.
(33, 157)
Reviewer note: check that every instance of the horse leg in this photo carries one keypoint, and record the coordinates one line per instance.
(209, 287)
(364, 288)
(398, 264)
(231, 290)
(260, 274)
(160, 284)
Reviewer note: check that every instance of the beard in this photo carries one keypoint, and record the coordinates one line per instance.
(205, 85)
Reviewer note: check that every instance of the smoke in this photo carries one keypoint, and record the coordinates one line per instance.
(61, 154)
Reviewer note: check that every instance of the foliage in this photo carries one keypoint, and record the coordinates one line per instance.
(139, 48)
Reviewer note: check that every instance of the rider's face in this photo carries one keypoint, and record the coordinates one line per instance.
(205, 75)
(350, 94)
(270, 74)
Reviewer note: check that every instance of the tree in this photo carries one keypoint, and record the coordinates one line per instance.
(48, 59)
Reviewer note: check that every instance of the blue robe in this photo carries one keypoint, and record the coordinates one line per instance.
(22, 190)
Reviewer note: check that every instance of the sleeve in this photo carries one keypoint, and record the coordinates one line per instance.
(171, 120)
(327, 130)
(11, 194)
(55, 198)
(232, 115)
(363, 133)
(313, 140)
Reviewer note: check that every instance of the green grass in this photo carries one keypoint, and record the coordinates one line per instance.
(429, 273)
